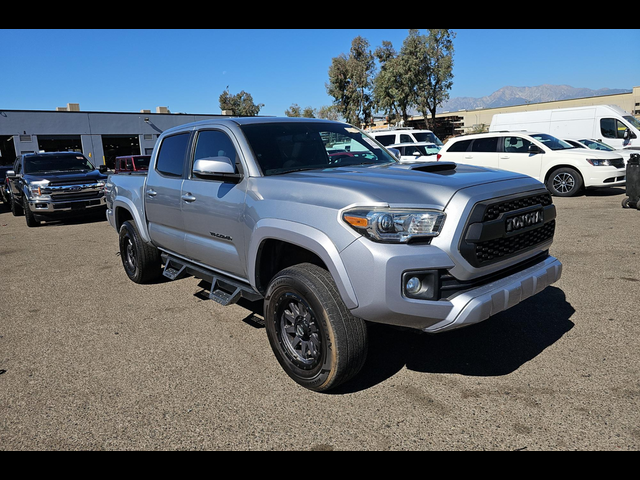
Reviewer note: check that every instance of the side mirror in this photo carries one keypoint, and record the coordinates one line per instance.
(102, 168)
(395, 152)
(214, 166)
(535, 149)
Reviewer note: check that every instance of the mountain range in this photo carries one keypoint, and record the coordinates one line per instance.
(509, 96)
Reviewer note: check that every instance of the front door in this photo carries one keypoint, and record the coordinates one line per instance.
(515, 157)
(213, 208)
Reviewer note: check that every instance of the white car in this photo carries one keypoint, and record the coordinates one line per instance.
(417, 152)
(625, 153)
(562, 167)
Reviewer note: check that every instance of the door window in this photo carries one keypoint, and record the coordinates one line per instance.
(488, 144)
(214, 143)
(612, 128)
(172, 153)
(516, 145)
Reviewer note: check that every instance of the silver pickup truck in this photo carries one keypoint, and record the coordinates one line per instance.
(324, 225)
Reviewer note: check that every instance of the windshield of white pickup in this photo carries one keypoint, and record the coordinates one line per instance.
(288, 147)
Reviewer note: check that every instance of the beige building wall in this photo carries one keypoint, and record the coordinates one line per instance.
(480, 119)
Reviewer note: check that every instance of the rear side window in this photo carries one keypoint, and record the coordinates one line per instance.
(386, 139)
(488, 144)
(460, 146)
(172, 154)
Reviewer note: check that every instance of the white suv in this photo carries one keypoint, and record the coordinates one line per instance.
(562, 167)
(391, 136)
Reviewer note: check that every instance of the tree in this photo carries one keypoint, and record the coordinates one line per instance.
(295, 111)
(240, 104)
(350, 82)
(436, 77)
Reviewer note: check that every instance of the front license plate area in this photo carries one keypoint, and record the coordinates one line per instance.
(516, 223)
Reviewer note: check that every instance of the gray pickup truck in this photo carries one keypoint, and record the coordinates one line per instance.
(324, 225)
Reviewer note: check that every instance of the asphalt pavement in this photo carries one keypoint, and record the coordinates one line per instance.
(91, 361)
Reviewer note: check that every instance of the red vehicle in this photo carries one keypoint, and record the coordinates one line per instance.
(132, 163)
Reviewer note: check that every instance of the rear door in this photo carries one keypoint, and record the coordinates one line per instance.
(163, 191)
(213, 207)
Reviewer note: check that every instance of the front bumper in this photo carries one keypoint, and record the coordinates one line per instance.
(383, 301)
(605, 177)
(46, 206)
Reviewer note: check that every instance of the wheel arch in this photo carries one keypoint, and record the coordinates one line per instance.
(277, 244)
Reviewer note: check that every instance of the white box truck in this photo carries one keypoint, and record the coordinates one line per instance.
(605, 123)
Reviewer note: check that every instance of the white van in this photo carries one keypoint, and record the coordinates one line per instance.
(605, 123)
(395, 135)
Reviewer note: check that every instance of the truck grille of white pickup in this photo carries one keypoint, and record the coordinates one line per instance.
(499, 229)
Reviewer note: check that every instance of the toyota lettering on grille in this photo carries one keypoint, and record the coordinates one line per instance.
(519, 222)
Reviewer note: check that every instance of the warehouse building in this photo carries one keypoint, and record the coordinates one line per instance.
(100, 136)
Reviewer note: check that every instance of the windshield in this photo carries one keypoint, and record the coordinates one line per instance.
(592, 144)
(427, 137)
(552, 142)
(56, 163)
(632, 120)
(288, 147)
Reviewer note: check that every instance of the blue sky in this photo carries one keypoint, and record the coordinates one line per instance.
(187, 70)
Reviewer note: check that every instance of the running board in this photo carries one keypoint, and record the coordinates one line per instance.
(224, 290)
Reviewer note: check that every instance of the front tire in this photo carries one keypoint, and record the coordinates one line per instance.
(28, 214)
(313, 335)
(564, 182)
(141, 261)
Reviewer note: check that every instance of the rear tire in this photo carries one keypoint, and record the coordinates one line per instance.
(16, 210)
(313, 335)
(141, 261)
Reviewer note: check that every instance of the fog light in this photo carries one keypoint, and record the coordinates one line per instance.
(421, 285)
(413, 285)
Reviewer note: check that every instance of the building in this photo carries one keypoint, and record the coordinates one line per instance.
(100, 136)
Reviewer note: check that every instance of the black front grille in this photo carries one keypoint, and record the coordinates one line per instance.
(493, 211)
(502, 247)
(490, 235)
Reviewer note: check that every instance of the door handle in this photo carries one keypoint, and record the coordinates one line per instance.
(468, 156)
(504, 157)
(187, 197)
(151, 193)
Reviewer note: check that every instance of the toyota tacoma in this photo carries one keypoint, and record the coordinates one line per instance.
(323, 225)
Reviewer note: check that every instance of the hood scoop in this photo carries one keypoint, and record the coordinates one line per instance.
(434, 167)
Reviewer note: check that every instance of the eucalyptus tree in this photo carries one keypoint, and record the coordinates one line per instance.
(351, 82)
(436, 71)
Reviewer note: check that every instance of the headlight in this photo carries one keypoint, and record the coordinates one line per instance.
(598, 162)
(395, 225)
(37, 189)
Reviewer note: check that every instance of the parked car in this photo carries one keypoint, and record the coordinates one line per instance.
(132, 163)
(565, 170)
(417, 152)
(46, 185)
(625, 153)
(261, 209)
(395, 135)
